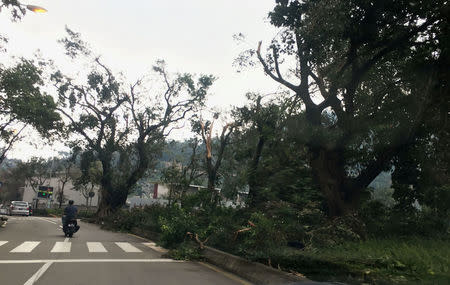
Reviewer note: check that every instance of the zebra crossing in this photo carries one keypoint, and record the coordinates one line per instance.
(96, 247)
(27, 246)
(90, 247)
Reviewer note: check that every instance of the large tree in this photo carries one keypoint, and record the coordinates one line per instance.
(123, 126)
(36, 172)
(22, 101)
(214, 154)
(367, 71)
(261, 124)
(184, 171)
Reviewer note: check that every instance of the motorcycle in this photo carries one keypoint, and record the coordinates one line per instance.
(70, 227)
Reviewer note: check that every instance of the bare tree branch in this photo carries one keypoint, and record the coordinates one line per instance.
(10, 144)
(270, 73)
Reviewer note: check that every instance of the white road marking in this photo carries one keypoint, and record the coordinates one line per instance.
(3, 242)
(156, 260)
(61, 247)
(96, 247)
(46, 220)
(127, 247)
(153, 246)
(38, 274)
(27, 246)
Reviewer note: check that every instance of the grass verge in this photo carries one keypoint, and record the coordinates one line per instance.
(377, 261)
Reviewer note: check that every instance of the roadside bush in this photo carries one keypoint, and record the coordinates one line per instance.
(287, 219)
(221, 227)
(187, 250)
(124, 220)
(376, 217)
(422, 222)
(55, 212)
(86, 214)
(151, 217)
(337, 231)
(382, 221)
(40, 212)
(175, 225)
(265, 236)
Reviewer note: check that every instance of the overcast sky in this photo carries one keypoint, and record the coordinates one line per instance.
(193, 36)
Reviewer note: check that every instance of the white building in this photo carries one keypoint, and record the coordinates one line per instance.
(153, 193)
(158, 193)
(29, 195)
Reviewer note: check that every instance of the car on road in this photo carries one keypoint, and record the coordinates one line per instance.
(19, 208)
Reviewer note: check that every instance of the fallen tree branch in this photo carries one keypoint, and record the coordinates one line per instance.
(197, 239)
(236, 233)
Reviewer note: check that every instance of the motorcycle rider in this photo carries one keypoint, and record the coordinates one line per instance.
(70, 214)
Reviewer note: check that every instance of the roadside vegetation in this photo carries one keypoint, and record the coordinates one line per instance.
(338, 250)
(341, 175)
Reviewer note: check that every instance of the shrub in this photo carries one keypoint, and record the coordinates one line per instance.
(376, 216)
(55, 212)
(337, 231)
(124, 220)
(86, 214)
(383, 221)
(265, 236)
(40, 212)
(175, 225)
(186, 251)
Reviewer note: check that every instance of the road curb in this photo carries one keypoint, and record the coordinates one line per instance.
(254, 272)
(148, 235)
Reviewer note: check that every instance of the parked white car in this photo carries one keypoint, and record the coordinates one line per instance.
(19, 208)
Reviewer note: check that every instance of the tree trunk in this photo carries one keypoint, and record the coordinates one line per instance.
(252, 179)
(113, 196)
(211, 173)
(104, 208)
(330, 174)
(61, 194)
(111, 200)
(212, 188)
(60, 198)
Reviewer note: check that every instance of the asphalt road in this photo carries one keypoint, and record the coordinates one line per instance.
(33, 250)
